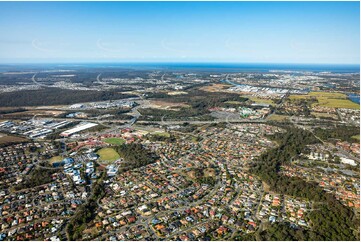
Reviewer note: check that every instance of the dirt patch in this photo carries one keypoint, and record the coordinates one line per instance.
(215, 88)
(177, 93)
(265, 186)
(209, 172)
(46, 113)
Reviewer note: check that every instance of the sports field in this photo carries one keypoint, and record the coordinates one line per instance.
(114, 141)
(108, 154)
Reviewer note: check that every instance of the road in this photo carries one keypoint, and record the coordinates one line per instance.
(347, 154)
(37, 83)
(202, 122)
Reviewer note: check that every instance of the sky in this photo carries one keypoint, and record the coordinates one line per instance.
(239, 32)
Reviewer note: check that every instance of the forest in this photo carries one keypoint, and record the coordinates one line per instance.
(56, 96)
(86, 212)
(39, 175)
(199, 102)
(135, 155)
(341, 132)
(330, 221)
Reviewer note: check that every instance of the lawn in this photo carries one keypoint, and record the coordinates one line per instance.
(114, 141)
(329, 99)
(108, 154)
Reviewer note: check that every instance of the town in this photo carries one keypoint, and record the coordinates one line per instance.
(174, 157)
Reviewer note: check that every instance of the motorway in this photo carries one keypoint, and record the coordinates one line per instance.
(38, 83)
(347, 154)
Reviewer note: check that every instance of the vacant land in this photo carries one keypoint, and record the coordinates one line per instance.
(328, 99)
(234, 102)
(325, 115)
(166, 105)
(9, 139)
(215, 88)
(45, 113)
(277, 117)
(114, 141)
(177, 93)
(108, 154)
(160, 133)
(55, 159)
(261, 100)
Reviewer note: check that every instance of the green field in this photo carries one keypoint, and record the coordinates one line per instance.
(160, 133)
(108, 154)
(328, 99)
(114, 141)
(356, 137)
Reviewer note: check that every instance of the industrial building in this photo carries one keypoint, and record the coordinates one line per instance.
(78, 128)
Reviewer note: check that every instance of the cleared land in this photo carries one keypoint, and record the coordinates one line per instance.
(177, 93)
(215, 88)
(108, 154)
(277, 117)
(166, 105)
(233, 102)
(325, 115)
(8, 139)
(56, 159)
(328, 99)
(261, 100)
(114, 141)
(45, 113)
(160, 133)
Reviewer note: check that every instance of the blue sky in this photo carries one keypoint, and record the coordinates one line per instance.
(245, 32)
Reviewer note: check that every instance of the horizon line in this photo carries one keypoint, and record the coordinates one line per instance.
(174, 62)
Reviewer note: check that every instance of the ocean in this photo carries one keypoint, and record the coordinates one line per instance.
(354, 97)
(209, 67)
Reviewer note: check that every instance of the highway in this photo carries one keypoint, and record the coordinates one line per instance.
(174, 122)
(37, 83)
(347, 154)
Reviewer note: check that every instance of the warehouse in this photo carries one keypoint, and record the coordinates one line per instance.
(80, 127)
